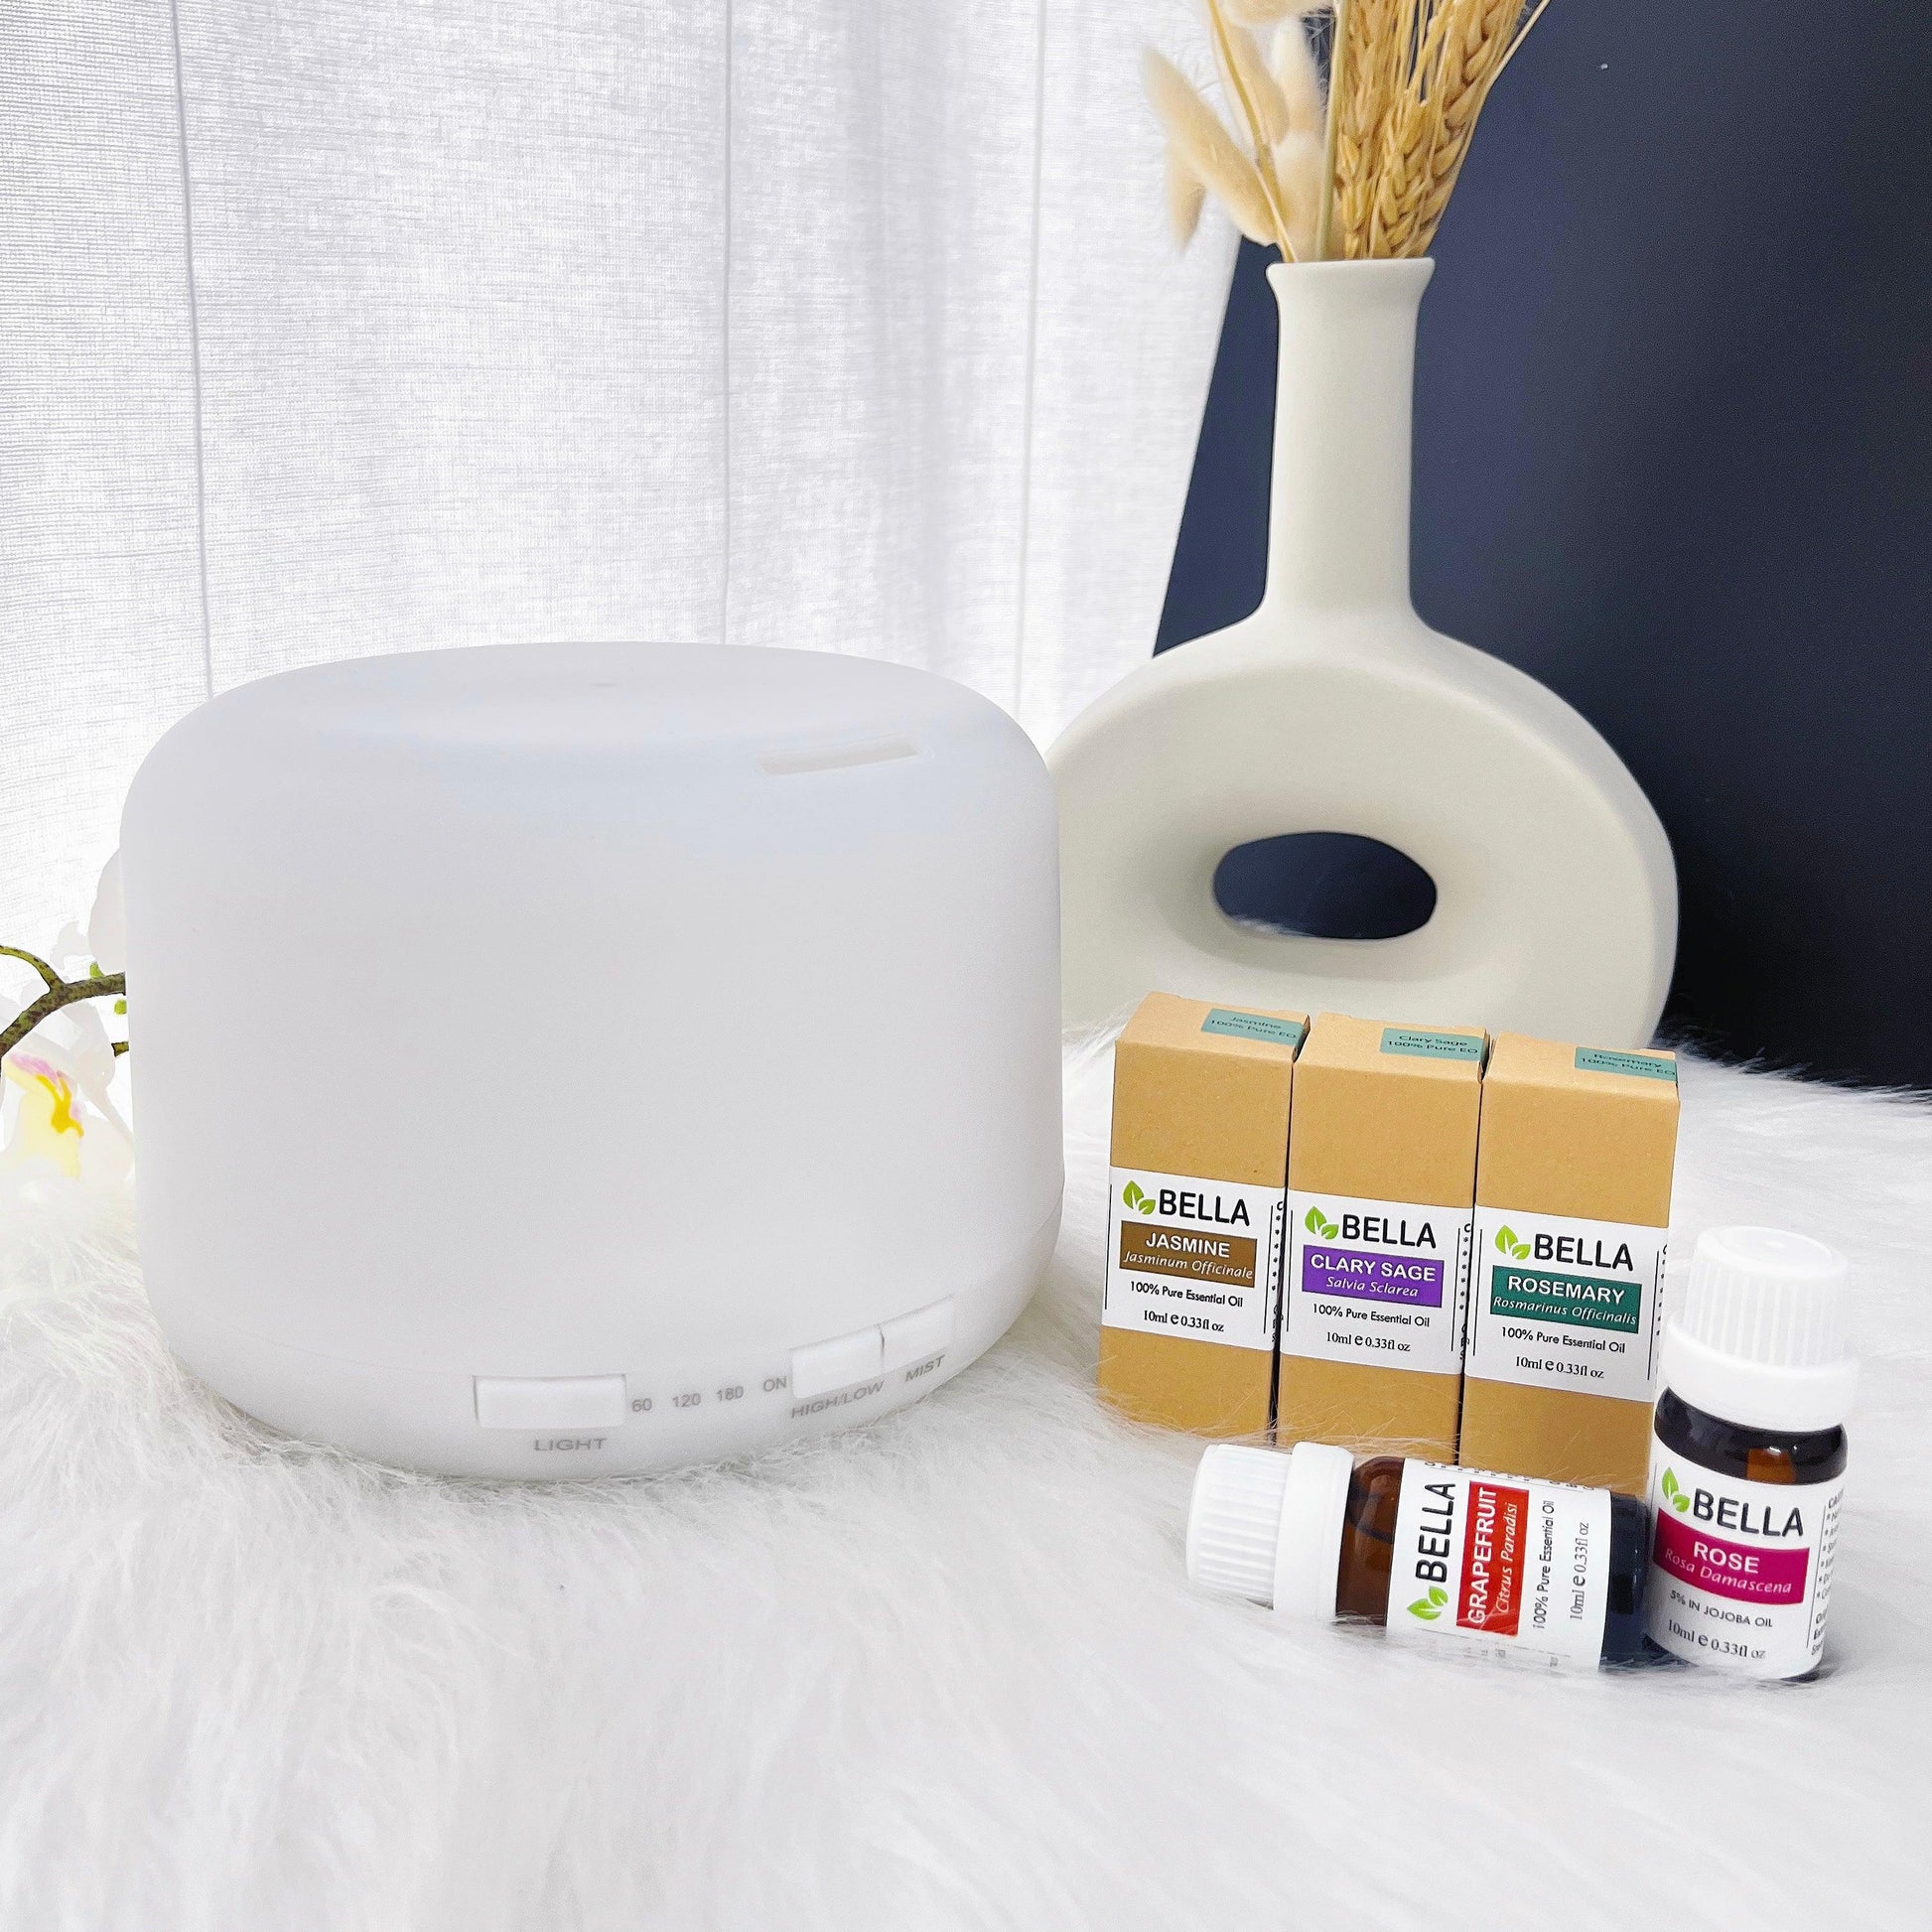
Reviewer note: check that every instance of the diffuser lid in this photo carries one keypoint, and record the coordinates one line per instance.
(585, 697)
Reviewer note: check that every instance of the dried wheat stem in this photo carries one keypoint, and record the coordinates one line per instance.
(1470, 60)
(1478, 33)
(1521, 35)
(1401, 175)
(1411, 134)
(1370, 50)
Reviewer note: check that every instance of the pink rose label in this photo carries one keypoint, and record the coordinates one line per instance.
(1746, 1572)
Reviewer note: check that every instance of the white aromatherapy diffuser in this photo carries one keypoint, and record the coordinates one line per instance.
(581, 1059)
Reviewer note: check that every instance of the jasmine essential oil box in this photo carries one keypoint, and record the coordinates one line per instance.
(1201, 1102)
(1381, 1189)
(1572, 1216)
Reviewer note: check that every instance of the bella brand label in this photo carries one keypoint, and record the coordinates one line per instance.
(1518, 1567)
(1381, 1282)
(1741, 1572)
(1557, 1303)
(1200, 1259)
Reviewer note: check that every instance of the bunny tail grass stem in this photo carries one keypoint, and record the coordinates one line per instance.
(1261, 87)
(1299, 81)
(1325, 217)
(1184, 197)
(1266, 13)
(1257, 132)
(1203, 141)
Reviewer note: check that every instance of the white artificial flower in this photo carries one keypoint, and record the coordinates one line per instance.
(57, 1116)
(47, 1128)
(107, 922)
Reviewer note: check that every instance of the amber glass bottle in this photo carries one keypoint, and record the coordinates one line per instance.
(1747, 1455)
(1754, 1455)
(1368, 1550)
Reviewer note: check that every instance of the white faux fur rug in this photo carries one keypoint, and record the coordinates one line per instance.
(944, 1672)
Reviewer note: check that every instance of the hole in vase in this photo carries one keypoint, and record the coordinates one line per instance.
(1325, 885)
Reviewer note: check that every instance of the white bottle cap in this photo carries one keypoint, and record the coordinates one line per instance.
(1267, 1526)
(1760, 1338)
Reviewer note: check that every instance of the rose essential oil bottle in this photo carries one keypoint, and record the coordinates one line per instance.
(1502, 1566)
(1747, 1455)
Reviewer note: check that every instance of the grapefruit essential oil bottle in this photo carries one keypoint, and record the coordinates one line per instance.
(1505, 1566)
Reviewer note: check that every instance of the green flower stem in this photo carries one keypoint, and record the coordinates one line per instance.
(60, 993)
(47, 972)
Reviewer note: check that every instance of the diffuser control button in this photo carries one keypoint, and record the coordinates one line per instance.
(550, 1401)
(836, 1364)
(918, 1336)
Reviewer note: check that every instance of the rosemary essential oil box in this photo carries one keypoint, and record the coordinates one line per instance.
(1381, 1184)
(1573, 1212)
(1202, 1098)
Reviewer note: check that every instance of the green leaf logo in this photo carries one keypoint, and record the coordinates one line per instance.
(1507, 1243)
(1430, 1607)
(1673, 1495)
(1316, 1223)
(1141, 1203)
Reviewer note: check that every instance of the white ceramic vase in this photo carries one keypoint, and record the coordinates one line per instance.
(1334, 708)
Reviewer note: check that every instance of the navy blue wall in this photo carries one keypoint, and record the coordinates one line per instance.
(1674, 457)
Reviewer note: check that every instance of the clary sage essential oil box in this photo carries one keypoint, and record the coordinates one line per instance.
(1381, 1184)
(1201, 1099)
(1572, 1209)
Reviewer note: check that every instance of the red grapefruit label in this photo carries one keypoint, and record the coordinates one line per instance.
(1492, 1598)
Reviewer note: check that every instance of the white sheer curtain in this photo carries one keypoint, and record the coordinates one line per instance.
(341, 326)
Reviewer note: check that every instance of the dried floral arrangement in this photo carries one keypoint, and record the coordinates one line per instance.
(1359, 169)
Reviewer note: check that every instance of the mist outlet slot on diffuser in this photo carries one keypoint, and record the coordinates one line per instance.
(583, 1059)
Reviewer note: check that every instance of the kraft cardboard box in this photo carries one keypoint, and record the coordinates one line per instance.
(1202, 1100)
(1381, 1178)
(1572, 1209)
